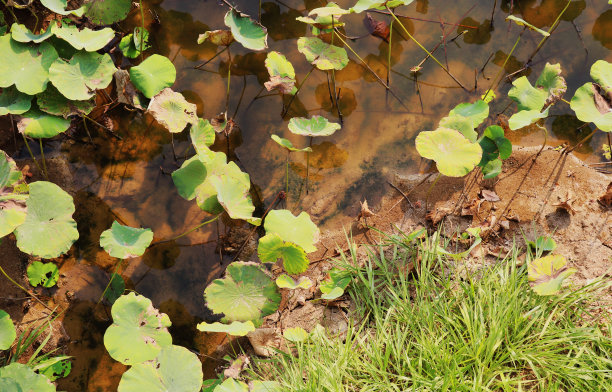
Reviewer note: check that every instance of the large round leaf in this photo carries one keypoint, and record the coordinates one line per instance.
(172, 110)
(48, 230)
(547, 274)
(245, 30)
(20, 33)
(272, 247)
(125, 242)
(453, 153)
(314, 126)
(39, 125)
(288, 145)
(105, 12)
(321, 54)
(43, 274)
(139, 331)
(53, 102)
(477, 112)
(233, 195)
(153, 75)
(7, 331)
(299, 230)
(18, 377)
(87, 39)
(25, 66)
(590, 106)
(14, 102)
(246, 293)
(86, 72)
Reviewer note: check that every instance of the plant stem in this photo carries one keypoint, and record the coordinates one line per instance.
(287, 173)
(553, 27)
(110, 281)
(42, 154)
(389, 55)
(212, 58)
(32, 155)
(187, 232)
(297, 91)
(10, 9)
(503, 67)
(24, 289)
(567, 151)
(229, 77)
(430, 188)
(141, 31)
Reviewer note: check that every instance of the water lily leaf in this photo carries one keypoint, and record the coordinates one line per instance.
(14, 102)
(25, 66)
(43, 274)
(282, 74)
(232, 385)
(79, 78)
(233, 195)
(272, 247)
(125, 242)
(461, 124)
(525, 118)
(321, 54)
(551, 81)
(217, 37)
(172, 110)
(477, 112)
(37, 124)
(19, 377)
(334, 286)
(299, 230)
(105, 12)
(288, 145)
(245, 30)
(59, 7)
(87, 39)
(296, 334)
(601, 72)
(454, 154)
(324, 18)
(314, 126)
(133, 44)
(175, 369)
(48, 230)
(246, 293)
(591, 106)
(21, 33)
(236, 328)
(546, 274)
(363, 5)
(7, 331)
(115, 288)
(139, 331)
(51, 101)
(526, 96)
(286, 282)
(153, 75)
(202, 136)
(54, 368)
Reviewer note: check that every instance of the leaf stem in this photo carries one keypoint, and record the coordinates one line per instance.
(550, 30)
(42, 154)
(10, 9)
(24, 289)
(212, 58)
(110, 280)
(141, 32)
(188, 231)
(503, 67)
(229, 77)
(297, 92)
(32, 155)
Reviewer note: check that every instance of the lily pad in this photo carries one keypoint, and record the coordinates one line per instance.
(236, 328)
(477, 112)
(139, 331)
(14, 102)
(246, 293)
(43, 274)
(272, 247)
(282, 74)
(86, 39)
(245, 30)
(286, 282)
(79, 78)
(20, 377)
(48, 230)
(39, 125)
(590, 106)
(153, 75)
(202, 136)
(53, 102)
(21, 33)
(299, 230)
(234, 196)
(295, 335)
(106, 12)
(231, 385)
(314, 126)
(172, 110)
(125, 242)
(454, 154)
(217, 37)
(288, 145)
(7, 331)
(324, 19)
(546, 274)
(363, 5)
(59, 7)
(321, 54)
(526, 96)
(551, 81)
(522, 22)
(175, 369)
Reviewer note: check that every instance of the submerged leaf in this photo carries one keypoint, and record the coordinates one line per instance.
(236, 328)
(454, 154)
(299, 230)
(272, 247)
(43, 274)
(153, 75)
(125, 242)
(321, 54)
(314, 126)
(172, 110)
(547, 274)
(79, 78)
(245, 30)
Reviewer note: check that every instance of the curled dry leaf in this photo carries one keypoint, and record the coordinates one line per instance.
(565, 203)
(237, 366)
(217, 37)
(603, 99)
(437, 214)
(376, 28)
(472, 208)
(284, 84)
(489, 195)
(606, 199)
(365, 211)
(265, 340)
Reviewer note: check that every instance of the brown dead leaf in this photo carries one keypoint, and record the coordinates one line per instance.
(472, 208)
(365, 211)
(126, 92)
(217, 37)
(284, 84)
(237, 366)
(436, 215)
(565, 203)
(603, 99)
(606, 199)
(376, 28)
(489, 195)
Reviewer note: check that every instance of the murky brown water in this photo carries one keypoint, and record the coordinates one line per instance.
(123, 177)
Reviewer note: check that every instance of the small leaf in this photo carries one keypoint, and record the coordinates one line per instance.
(526, 96)
(525, 118)
(522, 22)
(125, 242)
(295, 335)
(153, 75)
(245, 30)
(131, 45)
(282, 74)
(172, 110)
(236, 328)
(314, 126)
(106, 12)
(7, 331)
(321, 54)
(43, 274)
(271, 248)
(334, 286)
(202, 136)
(363, 5)
(217, 37)
(54, 368)
(551, 81)
(299, 230)
(546, 244)
(288, 145)
(454, 154)
(546, 274)
(286, 282)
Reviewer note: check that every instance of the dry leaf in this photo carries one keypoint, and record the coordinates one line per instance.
(376, 28)
(565, 203)
(365, 211)
(284, 84)
(489, 195)
(606, 199)
(237, 366)
(603, 100)
(436, 215)
(471, 208)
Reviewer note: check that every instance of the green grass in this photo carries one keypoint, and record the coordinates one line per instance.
(424, 332)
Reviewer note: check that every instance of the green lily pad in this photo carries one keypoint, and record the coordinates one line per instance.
(172, 110)
(295, 335)
(231, 385)
(314, 126)
(590, 106)
(323, 19)
(106, 12)
(282, 74)
(54, 368)
(288, 145)
(85, 39)
(236, 328)
(12, 215)
(21, 33)
(494, 146)
(299, 230)
(25, 66)
(286, 282)
(7, 331)
(272, 247)
(139, 331)
(131, 45)
(363, 5)
(321, 54)
(59, 7)
(601, 72)
(234, 196)
(246, 293)
(48, 230)
(461, 124)
(477, 112)
(115, 289)
(43, 274)
(245, 30)
(217, 37)
(53, 102)
(175, 369)
(153, 75)
(18, 377)
(125, 242)
(202, 136)
(525, 118)
(14, 102)
(37, 124)
(454, 154)
(546, 274)
(526, 96)
(522, 22)
(334, 286)
(86, 72)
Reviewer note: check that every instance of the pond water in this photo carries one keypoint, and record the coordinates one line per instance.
(128, 179)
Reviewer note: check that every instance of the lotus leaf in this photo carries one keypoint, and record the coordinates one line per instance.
(175, 369)
(547, 274)
(87, 39)
(18, 377)
(59, 7)
(363, 5)
(590, 106)
(115, 288)
(331, 9)
(245, 30)
(86, 72)
(12, 214)
(551, 81)
(211, 384)
(53, 102)
(54, 368)
(496, 134)
(324, 17)
(7, 331)
(288, 145)
(43, 274)
(246, 293)
(125, 242)
(299, 230)
(9, 175)
(295, 335)
(265, 386)
(233, 195)
(525, 118)
(20, 33)
(601, 72)
(105, 12)
(231, 385)
(236, 328)
(522, 22)
(272, 247)
(333, 287)
(14, 102)
(321, 54)
(526, 96)
(48, 230)
(282, 74)
(461, 124)
(286, 282)
(172, 110)
(25, 66)
(494, 146)
(153, 75)
(477, 112)
(217, 37)
(39, 125)
(453, 153)
(131, 45)
(202, 136)
(139, 331)
(314, 126)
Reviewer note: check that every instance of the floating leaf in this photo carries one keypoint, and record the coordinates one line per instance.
(522, 22)
(286, 282)
(153, 75)
(7, 331)
(282, 74)
(547, 274)
(172, 110)
(18, 377)
(175, 369)
(334, 286)
(299, 230)
(125, 242)
(14, 102)
(59, 7)
(590, 106)
(202, 136)
(48, 230)
(454, 154)
(87, 39)
(321, 54)
(363, 5)
(234, 196)
(106, 12)
(53, 102)
(115, 288)
(236, 328)
(9, 175)
(295, 335)
(249, 33)
(217, 37)
(314, 126)
(288, 145)
(246, 293)
(232, 385)
(43, 274)
(272, 247)
(462, 124)
(526, 96)
(324, 18)
(139, 331)
(20, 33)
(79, 78)
(477, 112)
(39, 125)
